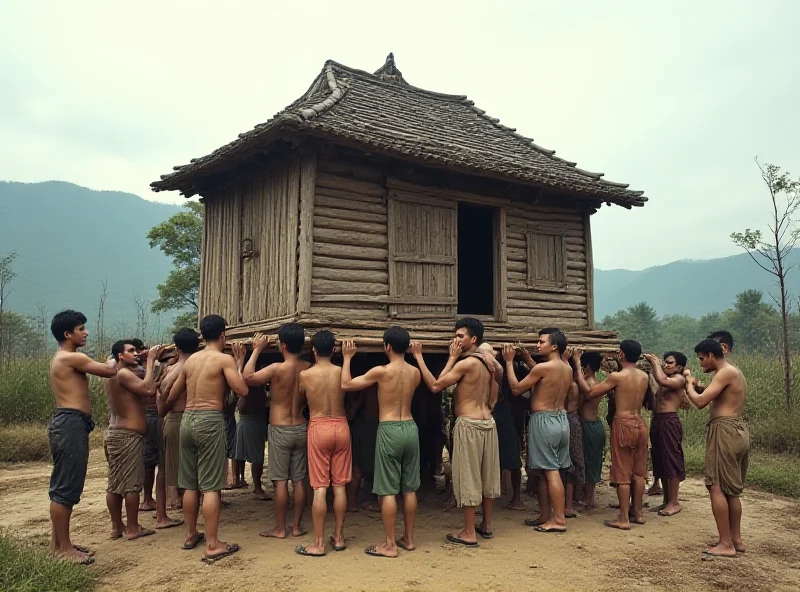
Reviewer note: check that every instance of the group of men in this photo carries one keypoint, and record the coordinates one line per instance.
(309, 436)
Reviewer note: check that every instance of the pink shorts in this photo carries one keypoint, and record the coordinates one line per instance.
(330, 459)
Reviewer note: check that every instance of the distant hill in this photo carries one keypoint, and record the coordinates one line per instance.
(70, 238)
(692, 288)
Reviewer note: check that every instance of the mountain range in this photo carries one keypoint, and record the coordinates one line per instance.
(70, 239)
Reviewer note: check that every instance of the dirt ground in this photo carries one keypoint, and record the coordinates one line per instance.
(664, 554)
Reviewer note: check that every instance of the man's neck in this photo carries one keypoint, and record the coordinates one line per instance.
(123, 364)
(626, 364)
(396, 358)
(214, 346)
(68, 346)
(182, 357)
(554, 356)
(471, 350)
(290, 357)
(323, 362)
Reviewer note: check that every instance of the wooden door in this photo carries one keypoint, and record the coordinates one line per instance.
(253, 256)
(423, 248)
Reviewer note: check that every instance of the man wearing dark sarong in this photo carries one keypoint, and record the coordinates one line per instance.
(727, 444)
(593, 434)
(666, 431)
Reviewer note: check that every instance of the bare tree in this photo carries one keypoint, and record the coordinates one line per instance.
(770, 252)
(142, 315)
(7, 276)
(101, 318)
(41, 325)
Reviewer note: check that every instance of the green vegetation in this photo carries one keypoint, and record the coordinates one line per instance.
(28, 567)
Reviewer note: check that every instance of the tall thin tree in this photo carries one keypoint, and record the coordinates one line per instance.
(771, 251)
(7, 276)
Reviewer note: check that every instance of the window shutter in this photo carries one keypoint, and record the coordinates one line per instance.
(547, 261)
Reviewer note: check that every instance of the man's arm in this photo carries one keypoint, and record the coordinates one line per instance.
(494, 367)
(449, 376)
(177, 389)
(601, 388)
(711, 392)
(671, 382)
(519, 386)
(232, 376)
(83, 363)
(263, 376)
(142, 387)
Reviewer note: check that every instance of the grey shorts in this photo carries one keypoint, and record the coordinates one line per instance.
(548, 441)
(288, 448)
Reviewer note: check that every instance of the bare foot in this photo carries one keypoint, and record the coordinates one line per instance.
(401, 542)
(658, 508)
(551, 526)
(142, 532)
(669, 510)
(299, 531)
(636, 519)
(275, 533)
(461, 536)
(720, 550)
(738, 545)
(116, 534)
(168, 523)
(312, 550)
(75, 556)
(617, 524)
(515, 505)
(147, 506)
(382, 550)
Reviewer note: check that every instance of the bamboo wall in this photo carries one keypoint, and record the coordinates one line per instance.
(249, 269)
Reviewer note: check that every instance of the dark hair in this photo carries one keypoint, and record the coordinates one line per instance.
(592, 360)
(65, 322)
(632, 350)
(323, 342)
(722, 337)
(186, 340)
(398, 338)
(293, 336)
(119, 347)
(136, 342)
(680, 359)
(473, 326)
(212, 327)
(710, 346)
(555, 337)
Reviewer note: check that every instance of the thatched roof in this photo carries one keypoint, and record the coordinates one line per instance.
(382, 113)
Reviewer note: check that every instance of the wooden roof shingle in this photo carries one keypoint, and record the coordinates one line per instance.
(382, 113)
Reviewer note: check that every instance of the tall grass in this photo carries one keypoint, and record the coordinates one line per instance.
(28, 567)
(25, 395)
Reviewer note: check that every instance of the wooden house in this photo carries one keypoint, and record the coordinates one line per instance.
(369, 202)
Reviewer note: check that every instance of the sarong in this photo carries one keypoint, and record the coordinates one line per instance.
(153, 448)
(172, 447)
(594, 442)
(125, 450)
(202, 458)
(330, 459)
(666, 437)
(251, 435)
(507, 438)
(68, 436)
(476, 461)
(548, 441)
(628, 448)
(288, 447)
(396, 458)
(576, 473)
(230, 435)
(727, 454)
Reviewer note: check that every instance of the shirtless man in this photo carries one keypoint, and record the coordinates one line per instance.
(125, 439)
(251, 436)
(476, 450)
(288, 429)
(330, 461)
(628, 431)
(397, 444)
(548, 428)
(205, 378)
(575, 476)
(727, 444)
(68, 430)
(666, 431)
(593, 432)
(186, 343)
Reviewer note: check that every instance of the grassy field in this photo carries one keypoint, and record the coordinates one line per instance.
(26, 566)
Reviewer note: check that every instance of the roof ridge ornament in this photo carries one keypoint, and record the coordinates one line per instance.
(389, 71)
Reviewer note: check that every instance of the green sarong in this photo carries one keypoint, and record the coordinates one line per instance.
(203, 453)
(594, 441)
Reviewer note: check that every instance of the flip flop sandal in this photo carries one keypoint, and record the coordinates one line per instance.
(335, 548)
(83, 549)
(373, 552)
(84, 561)
(458, 541)
(540, 529)
(572, 515)
(401, 543)
(532, 522)
(485, 534)
(229, 550)
(144, 532)
(172, 524)
(303, 550)
(196, 540)
(607, 523)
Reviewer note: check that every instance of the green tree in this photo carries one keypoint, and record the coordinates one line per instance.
(755, 324)
(769, 251)
(7, 276)
(180, 238)
(639, 322)
(18, 335)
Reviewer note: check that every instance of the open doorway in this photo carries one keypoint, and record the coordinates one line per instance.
(475, 259)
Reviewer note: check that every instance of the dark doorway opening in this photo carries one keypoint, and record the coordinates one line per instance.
(475, 259)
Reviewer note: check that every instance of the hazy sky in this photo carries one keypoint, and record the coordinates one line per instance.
(675, 98)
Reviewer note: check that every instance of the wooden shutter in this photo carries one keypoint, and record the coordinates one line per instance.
(547, 261)
(423, 247)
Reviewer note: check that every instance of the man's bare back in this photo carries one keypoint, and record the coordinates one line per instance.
(321, 385)
(205, 378)
(630, 387)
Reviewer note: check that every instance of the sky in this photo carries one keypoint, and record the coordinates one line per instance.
(675, 98)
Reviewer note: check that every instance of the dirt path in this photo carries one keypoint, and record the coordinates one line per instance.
(663, 555)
